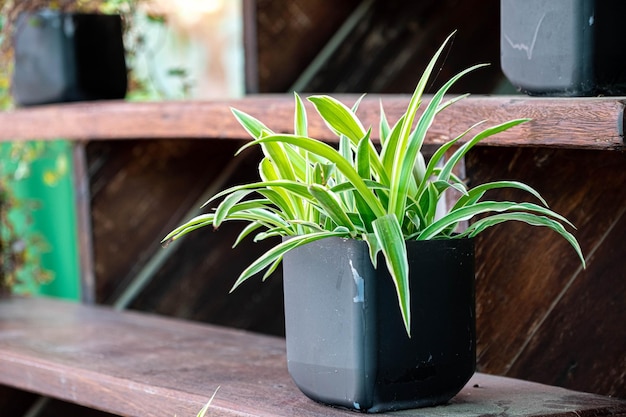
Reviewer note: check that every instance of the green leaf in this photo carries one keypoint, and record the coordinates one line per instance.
(338, 117)
(355, 106)
(476, 193)
(327, 152)
(383, 125)
(275, 196)
(270, 257)
(450, 102)
(419, 169)
(430, 211)
(290, 186)
(344, 122)
(267, 170)
(331, 206)
(193, 224)
(322, 173)
(250, 228)
(298, 162)
(374, 247)
(389, 149)
(468, 212)
(389, 235)
(530, 219)
(345, 149)
(252, 125)
(414, 219)
(396, 149)
(459, 153)
(439, 154)
(268, 218)
(270, 270)
(300, 122)
(222, 210)
(279, 159)
(409, 145)
(363, 157)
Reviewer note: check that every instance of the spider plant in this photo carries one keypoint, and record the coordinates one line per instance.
(385, 195)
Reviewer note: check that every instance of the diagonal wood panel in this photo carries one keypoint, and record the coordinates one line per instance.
(392, 44)
(290, 34)
(140, 190)
(526, 277)
(583, 338)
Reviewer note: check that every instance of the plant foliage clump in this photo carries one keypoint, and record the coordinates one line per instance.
(384, 195)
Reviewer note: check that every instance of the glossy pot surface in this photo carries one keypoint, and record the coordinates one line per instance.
(346, 341)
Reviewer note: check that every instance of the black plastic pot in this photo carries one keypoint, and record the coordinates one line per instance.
(564, 47)
(63, 57)
(346, 341)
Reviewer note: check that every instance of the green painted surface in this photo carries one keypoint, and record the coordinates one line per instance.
(50, 185)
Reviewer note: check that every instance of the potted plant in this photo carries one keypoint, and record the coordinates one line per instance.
(361, 334)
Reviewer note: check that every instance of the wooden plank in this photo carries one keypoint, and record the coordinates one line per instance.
(134, 364)
(586, 123)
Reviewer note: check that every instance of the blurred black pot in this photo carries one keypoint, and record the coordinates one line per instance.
(61, 57)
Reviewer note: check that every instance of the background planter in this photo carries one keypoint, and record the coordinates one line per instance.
(564, 48)
(346, 342)
(63, 57)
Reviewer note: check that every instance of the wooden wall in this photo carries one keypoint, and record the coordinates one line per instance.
(540, 315)
(383, 48)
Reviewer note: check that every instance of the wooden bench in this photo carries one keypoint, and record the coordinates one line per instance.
(140, 365)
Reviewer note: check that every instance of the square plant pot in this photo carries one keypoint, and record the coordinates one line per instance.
(62, 57)
(346, 341)
(564, 47)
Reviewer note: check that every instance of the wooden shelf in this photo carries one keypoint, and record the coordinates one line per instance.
(579, 123)
(135, 364)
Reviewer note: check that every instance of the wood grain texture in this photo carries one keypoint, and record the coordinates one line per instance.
(140, 190)
(133, 364)
(82, 203)
(587, 123)
(540, 315)
(581, 343)
(393, 41)
(290, 34)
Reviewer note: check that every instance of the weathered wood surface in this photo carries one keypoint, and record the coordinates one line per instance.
(18, 403)
(393, 41)
(587, 123)
(140, 190)
(290, 34)
(540, 315)
(133, 364)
